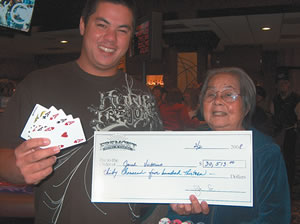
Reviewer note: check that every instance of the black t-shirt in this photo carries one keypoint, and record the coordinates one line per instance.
(102, 103)
(284, 110)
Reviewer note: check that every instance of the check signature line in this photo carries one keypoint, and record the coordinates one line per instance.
(214, 191)
(175, 200)
(208, 148)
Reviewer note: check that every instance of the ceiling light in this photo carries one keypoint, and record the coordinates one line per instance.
(266, 28)
(64, 41)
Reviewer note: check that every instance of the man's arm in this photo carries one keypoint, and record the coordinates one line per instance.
(8, 170)
(28, 163)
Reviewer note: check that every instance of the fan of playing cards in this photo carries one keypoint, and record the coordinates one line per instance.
(63, 130)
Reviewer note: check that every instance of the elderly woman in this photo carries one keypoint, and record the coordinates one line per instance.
(227, 102)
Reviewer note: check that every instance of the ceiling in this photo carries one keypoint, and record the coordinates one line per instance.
(246, 29)
(52, 23)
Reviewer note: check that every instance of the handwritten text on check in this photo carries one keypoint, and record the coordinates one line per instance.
(167, 167)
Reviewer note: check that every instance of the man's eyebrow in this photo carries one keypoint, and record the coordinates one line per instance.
(107, 22)
(125, 26)
(102, 19)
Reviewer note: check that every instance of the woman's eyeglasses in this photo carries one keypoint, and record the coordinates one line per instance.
(228, 96)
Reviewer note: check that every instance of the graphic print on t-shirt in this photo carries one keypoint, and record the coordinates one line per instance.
(122, 108)
(125, 109)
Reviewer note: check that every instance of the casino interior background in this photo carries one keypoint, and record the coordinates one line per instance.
(186, 38)
(193, 33)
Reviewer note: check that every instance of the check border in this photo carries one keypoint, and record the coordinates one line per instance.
(161, 147)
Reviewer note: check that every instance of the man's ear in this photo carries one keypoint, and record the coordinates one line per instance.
(81, 26)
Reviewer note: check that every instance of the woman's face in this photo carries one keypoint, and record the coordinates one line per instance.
(219, 114)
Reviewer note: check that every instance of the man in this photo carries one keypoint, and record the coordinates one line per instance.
(261, 118)
(157, 93)
(104, 98)
(101, 96)
(286, 116)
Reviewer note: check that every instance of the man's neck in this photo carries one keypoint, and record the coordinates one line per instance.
(97, 72)
(284, 95)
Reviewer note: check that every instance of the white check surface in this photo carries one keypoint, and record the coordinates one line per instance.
(167, 167)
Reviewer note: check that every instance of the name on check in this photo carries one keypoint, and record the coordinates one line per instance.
(167, 167)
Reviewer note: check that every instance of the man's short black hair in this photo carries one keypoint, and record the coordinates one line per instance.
(91, 6)
(282, 76)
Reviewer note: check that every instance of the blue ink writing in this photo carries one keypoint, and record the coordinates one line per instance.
(171, 173)
(109, 172)
(191, 172)
(126, 163)
(153, 172)
(151, 164)
(128, 172)
(237, 146)
(197, 145)
(218, 163)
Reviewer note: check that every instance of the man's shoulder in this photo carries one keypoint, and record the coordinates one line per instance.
(295, 96)
(134, 80)
(292, 97)
(132, 77)
(53, 68)
(48, 74)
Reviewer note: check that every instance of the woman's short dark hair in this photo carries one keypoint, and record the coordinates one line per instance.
(247, 90)
(91, 6)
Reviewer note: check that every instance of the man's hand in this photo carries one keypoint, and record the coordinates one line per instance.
(194, 208)
(35, 163)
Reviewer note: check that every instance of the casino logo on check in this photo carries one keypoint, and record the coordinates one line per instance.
(115, 144)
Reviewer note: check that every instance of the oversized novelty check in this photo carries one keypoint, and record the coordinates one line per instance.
(168, 167)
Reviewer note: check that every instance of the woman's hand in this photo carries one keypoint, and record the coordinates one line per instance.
(194, 208)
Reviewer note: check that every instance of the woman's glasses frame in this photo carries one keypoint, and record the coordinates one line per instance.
(228, 96)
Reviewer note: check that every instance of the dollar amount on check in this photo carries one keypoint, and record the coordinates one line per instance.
(168, 167)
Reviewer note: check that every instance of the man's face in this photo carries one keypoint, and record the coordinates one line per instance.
(106, 38)
(157, 94)
(283, 86)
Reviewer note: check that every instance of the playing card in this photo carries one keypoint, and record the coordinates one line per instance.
(64, 135)
(63, 130)
(62, 119)
(51, 127)
(49, 119)
(68, 134)
(42, 122)
(37, 112)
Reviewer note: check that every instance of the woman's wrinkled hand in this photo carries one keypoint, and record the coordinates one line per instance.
(194, 208)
